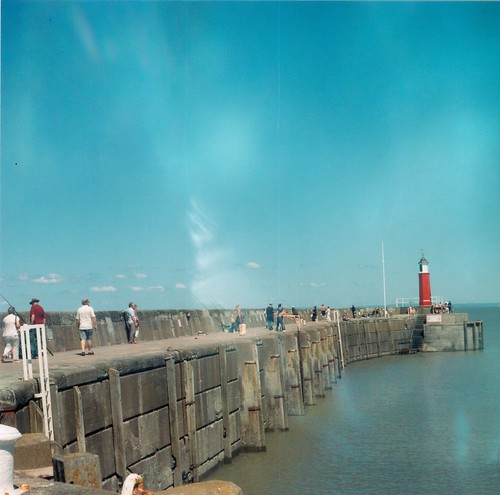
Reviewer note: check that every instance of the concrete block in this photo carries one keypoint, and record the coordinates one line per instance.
(143, 392)
(146, 434)
(81, 469)
(101, 443)
(96, 410)
(209, 441)
(206, 373)
(32, 451)
(233, 395)
(157, 470)
(208, 407)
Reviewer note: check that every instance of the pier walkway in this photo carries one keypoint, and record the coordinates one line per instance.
(72, 360)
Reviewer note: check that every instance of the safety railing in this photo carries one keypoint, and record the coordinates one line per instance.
(43, 370)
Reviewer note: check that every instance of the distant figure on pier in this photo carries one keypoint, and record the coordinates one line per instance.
(270, 316)
(314, 314)
(449, 306)
(238, 321)
(136, 329)
(86, 323)
(323, 311)
(280, 313)
(131, 322)
(353, 310)
(328, 314)
(295, 311)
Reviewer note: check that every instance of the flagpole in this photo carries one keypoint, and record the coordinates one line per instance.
(383, 278)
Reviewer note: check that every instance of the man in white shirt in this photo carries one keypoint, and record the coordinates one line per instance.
(132, 323)
(86, 322)
(11, 326)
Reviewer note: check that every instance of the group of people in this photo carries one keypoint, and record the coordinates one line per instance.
(12, 330)
(324, 311)
(237, 324)
(441, 308)
(86, 323)
(281, 313)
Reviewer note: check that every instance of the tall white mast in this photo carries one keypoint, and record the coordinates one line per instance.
(383, 278)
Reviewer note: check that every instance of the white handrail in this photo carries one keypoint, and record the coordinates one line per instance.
(43, 369)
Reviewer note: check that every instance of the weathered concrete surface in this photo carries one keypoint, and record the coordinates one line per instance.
(32, 451)
(214, 487)
(41, 486)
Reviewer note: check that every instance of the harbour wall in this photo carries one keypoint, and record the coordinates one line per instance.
(175, 411)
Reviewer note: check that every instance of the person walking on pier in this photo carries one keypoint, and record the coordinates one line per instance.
(279, 318)
(270, 316)
(131, 322)
(86, 322)
(37, 317)
(353, 309)
(136, 329)
(11, 326)
(314, 314)
(323, 311)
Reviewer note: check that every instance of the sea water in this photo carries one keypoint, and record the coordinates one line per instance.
(427, 423)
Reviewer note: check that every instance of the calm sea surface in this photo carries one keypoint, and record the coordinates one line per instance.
(418, 424)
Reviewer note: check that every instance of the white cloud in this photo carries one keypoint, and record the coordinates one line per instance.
(140, 275)
(315, 284)
(23, 276)
(253, 265)
(52, 278)
(179, 285)
(156, 288)
(105, 288)
(120, 276)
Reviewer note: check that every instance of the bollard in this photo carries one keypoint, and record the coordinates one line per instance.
(8, 436)
(134, 485)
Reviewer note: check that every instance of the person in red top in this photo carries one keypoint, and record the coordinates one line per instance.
(37, 317)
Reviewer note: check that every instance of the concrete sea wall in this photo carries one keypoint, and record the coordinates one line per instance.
(173, 414)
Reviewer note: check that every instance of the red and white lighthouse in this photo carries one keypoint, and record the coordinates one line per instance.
(424, 283)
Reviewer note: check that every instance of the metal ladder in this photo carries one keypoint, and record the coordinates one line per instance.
(43, 370)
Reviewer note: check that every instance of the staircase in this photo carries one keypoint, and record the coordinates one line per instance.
(417, 335)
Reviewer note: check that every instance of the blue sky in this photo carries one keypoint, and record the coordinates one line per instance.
(183, 154)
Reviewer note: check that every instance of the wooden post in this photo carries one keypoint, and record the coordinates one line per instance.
(190, 408)
(174, 421)
(115, 392)
(317, 371)
(226, 423)
(307, 370)
(325, 368)
(277, 416)
(79, 421)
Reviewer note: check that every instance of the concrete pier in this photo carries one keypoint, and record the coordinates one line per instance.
(190, 396)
